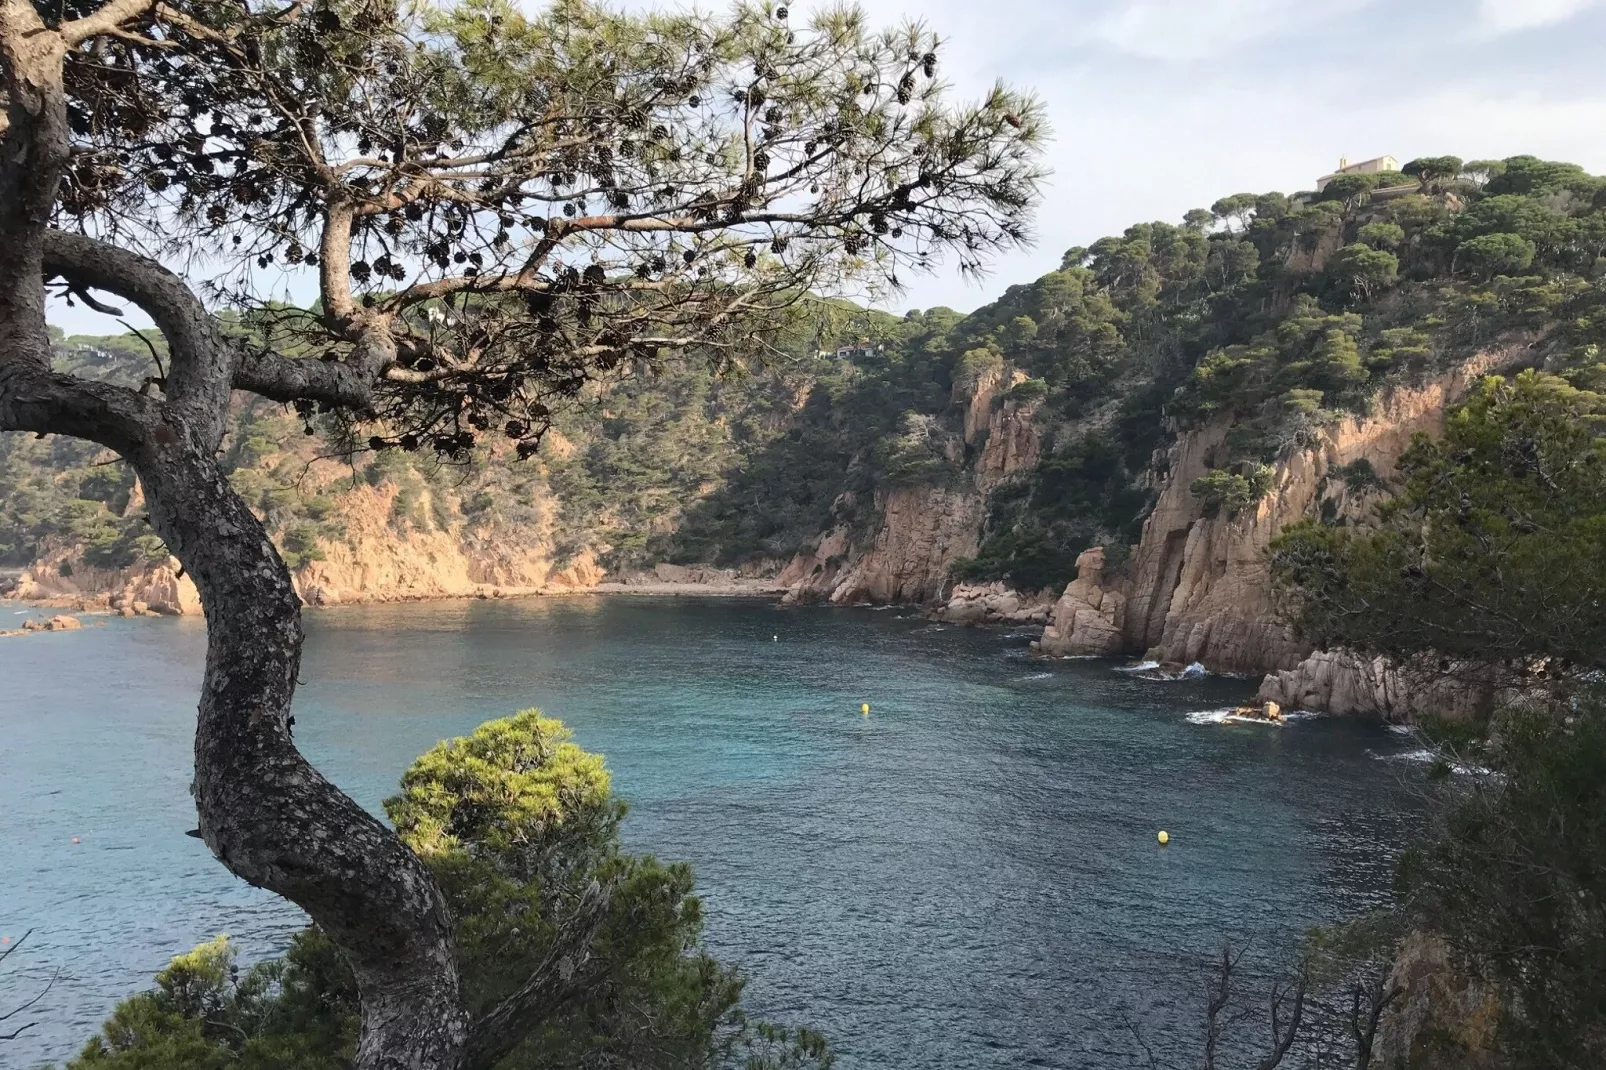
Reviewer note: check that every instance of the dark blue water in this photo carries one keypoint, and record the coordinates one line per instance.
(966, 878)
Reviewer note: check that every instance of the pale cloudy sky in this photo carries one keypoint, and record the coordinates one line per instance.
(1159, 106)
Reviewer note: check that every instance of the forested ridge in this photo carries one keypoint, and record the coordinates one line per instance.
(1274, 312)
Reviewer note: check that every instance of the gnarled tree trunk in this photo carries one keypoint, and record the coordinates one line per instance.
(265, 812)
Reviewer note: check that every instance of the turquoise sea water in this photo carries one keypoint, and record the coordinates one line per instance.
(967, 878)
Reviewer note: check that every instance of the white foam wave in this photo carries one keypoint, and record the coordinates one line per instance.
(1150, 670)
(1039, 676)
(1429, 755)
(1227, 716)
(1209, 716)
(1232, 716)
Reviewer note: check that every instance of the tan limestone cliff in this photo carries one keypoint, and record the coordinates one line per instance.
(378, 558)
(158, 587)
(378, 561)
(1199, 589)
(923, 530)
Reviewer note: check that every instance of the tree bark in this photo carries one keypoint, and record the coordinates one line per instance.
(265, 812)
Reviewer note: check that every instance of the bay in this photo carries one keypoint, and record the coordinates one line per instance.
(966, 878)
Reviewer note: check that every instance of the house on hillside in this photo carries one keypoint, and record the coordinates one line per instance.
(1365, 167)
(852, 352)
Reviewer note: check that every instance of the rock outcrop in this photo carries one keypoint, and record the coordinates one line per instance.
(923, 530)
(1442, 1019)
(58, 623)
(1340, 681)
(994, 603)
(157, 587)
(1198, 588)
(664, 578)
(1087, 619)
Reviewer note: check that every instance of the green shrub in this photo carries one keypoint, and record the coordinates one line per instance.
(1381, 235)
(1359, 475)
(1233, 491)
(1028, 390)
(1489, 255)
(518, 824)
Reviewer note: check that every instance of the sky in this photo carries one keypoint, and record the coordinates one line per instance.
(1159, 106)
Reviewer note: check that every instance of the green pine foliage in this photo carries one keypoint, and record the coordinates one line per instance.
(1492, 552)
(521, 828)
(1515, 883)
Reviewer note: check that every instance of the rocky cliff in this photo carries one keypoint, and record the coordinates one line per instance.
(377, 561)
(151, 587)
(373, 559)
(1198, 587)
(923, 529)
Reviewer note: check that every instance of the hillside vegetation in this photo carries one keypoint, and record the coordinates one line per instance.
(1272, 312)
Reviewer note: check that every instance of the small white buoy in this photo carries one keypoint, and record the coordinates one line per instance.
(775, 639)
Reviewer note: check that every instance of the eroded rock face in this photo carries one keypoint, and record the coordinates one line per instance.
(1442, 1019)
(376, 562)
(1088, 618)
(1342, 682)
(155, 588)
(923, 529)
(1198, 588)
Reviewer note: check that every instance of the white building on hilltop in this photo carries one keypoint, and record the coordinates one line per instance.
(1365, 167)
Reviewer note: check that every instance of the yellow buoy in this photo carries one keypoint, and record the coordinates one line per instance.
(1164, 837)
(865, 709)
